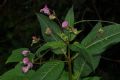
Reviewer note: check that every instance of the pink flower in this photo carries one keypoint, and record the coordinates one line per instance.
(45, 10)
(30, 65)
(26, 60)
(27, 66)
(25, 69)
(25, 52)
(64, 24)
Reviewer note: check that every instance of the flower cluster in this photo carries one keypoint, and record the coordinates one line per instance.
(27, 63)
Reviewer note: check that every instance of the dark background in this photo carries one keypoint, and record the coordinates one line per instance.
(18, 23)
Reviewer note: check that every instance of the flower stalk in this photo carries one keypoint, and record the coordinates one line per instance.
(69, 65)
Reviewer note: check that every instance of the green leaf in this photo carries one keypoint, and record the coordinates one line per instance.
(31, 56)
(96, 42)
(16, 74)
(64, 76)
(92, 78)
(79, 62)
(70, 17)
(84, 63)
(45, 23)
(49, 71)
(78, 71)
(8, 75)
(81, 68)
(91, 36)
(82, 51)
(103, 37)
(16, 55)
(56, 45)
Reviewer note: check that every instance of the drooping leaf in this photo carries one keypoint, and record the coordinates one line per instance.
(51, 45)
(49, 71)
(16, 55)
(45, 23)
(70, 17)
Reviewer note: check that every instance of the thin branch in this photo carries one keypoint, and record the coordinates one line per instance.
(108, 59)
(82, 21)
(75, 56)
(41, 55)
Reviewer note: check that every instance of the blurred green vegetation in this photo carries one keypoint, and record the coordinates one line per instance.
(18, 22)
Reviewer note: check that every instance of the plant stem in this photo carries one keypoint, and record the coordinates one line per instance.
(69, 65)
(94, 21)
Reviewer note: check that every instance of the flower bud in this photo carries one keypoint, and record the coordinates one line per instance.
(30, 65)
(35, 39)
(25, 69)
(52, 17)
(101, 30)
(25, 52)
(45, 10)
(64, 24)
(26, 60)
(48, 31)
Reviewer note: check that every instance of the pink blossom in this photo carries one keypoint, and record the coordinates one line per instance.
(45, 10)
(25, 52)
(25, 69)
(64, 24)
(26, 60)
(30, 65)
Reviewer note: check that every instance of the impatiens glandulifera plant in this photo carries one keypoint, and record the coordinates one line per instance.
(67, 59)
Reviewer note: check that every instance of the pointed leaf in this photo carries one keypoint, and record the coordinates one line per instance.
(87, 40)
(96, 42)
(49, 71)
(16, 55)
(110, 35)
(78, 62)
(45, 23)
(70, 17)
